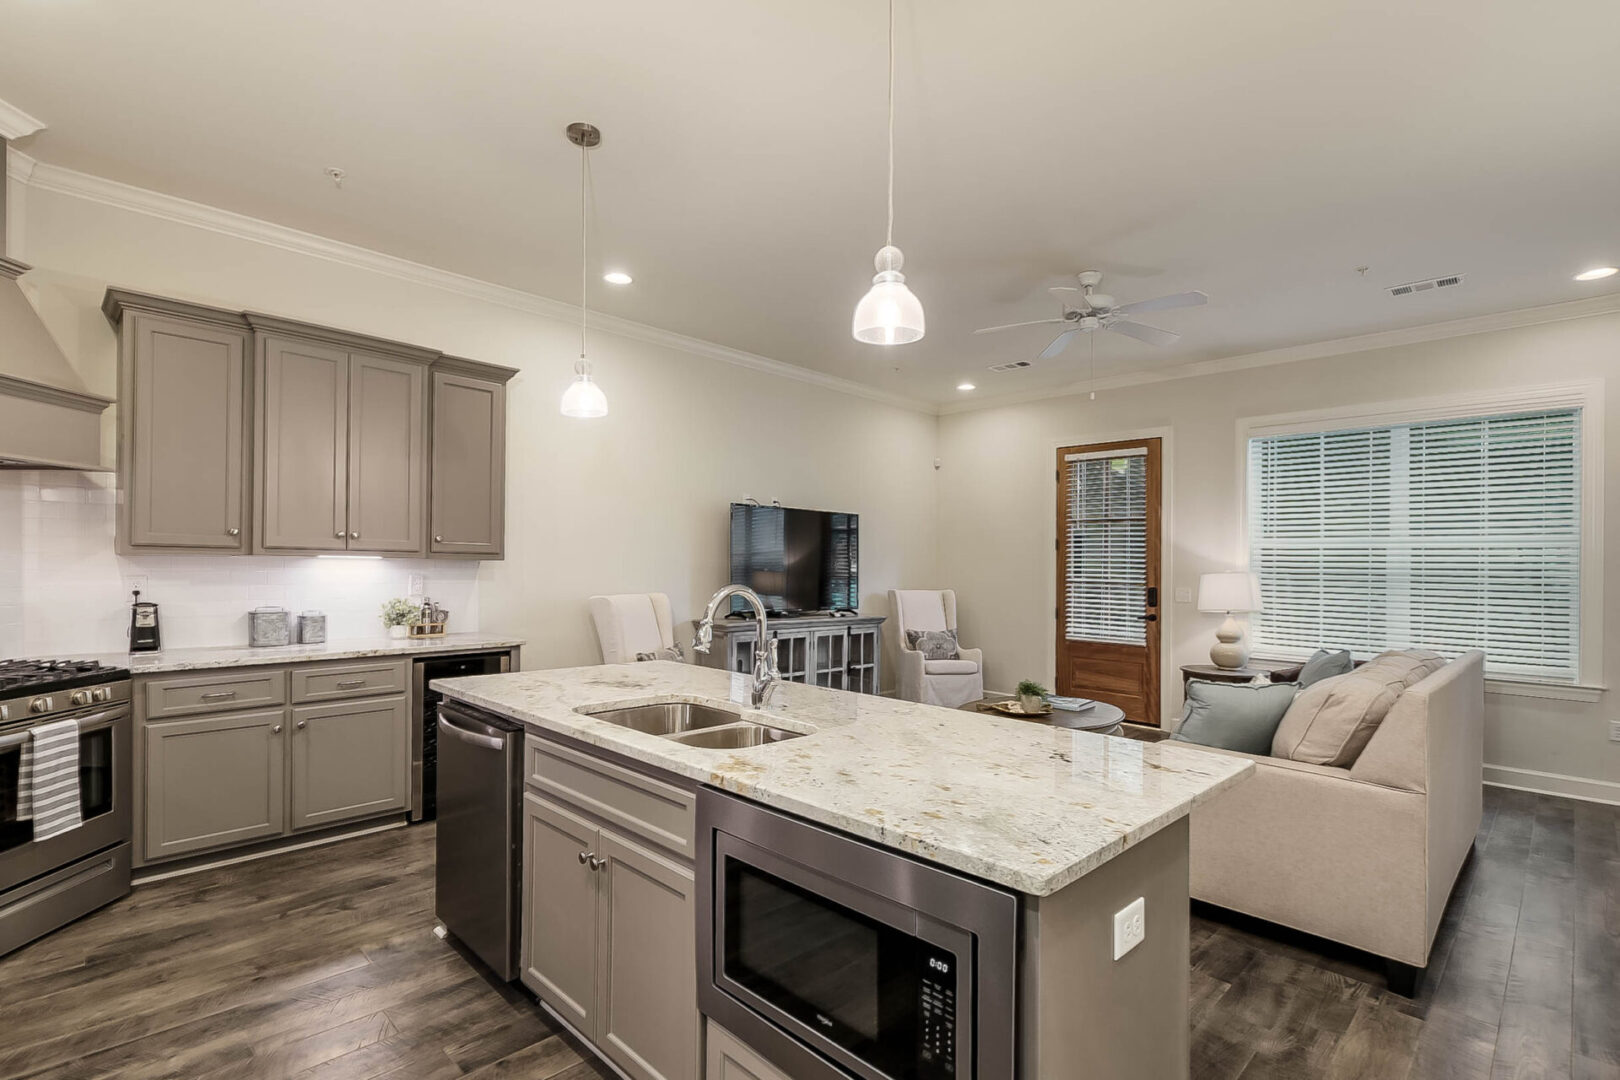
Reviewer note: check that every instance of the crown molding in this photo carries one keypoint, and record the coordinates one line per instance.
(1382, 339)
(16, 124)
(74, 184)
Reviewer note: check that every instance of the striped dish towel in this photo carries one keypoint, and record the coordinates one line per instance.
(48, 780)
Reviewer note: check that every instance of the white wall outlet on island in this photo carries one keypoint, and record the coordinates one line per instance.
(1130, 926)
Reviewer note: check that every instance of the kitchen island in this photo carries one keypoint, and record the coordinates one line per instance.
(1075, 826)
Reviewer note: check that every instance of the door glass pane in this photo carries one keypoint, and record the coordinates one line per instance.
(1105, 545)
(13, 833)
(95, 773)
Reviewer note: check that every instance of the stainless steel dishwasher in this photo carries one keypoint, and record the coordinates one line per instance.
(480, 833)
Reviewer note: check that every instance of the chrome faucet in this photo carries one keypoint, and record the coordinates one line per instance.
(766, 673)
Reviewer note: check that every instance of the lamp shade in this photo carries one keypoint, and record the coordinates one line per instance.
(584, 400)
(889, 313)
(1236, 591)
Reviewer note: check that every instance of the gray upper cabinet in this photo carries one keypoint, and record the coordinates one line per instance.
(467, 499)
(182, 426)
(303, 445)
(387, 454)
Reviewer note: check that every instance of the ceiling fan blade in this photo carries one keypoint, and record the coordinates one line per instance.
(1015, 325)
(1064, 292)
(1150, 334)
(1165, 303)
(1059, 343)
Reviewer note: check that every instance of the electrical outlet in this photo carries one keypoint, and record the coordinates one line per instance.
(1130, 926)
(1614, 730)
(1183, 596)
(416, 586)
(135, 581)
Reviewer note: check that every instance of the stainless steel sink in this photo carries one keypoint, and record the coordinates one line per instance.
(736, 737)
(668, 718)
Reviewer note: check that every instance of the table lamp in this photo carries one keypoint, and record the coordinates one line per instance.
(1230, 593)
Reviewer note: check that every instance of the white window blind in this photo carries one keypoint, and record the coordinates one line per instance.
(1106, 547)
(1450, 534)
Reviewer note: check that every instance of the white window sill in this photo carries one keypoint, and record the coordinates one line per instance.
(1547, 691)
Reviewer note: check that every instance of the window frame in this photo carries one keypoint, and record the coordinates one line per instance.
(1586, 395)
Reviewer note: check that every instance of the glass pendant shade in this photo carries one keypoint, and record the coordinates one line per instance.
(584, 400)
(889, 313)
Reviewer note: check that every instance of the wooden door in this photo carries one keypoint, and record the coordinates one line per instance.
(387, 457)
(185, 447)
(647, 1012)
(303, 444)
(349, 761)
(560, 911)
(213, 781)
(468, 476)
(1108, 543)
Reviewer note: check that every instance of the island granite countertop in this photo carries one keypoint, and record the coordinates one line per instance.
(1024, 805)
(231, 656)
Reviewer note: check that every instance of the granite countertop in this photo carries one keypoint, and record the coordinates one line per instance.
(1024, 805)
(230, 656)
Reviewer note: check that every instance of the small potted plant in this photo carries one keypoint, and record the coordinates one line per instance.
(397, 616)
(1031, 696)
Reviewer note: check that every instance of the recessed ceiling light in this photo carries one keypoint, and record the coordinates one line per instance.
(617, 277)
(966, 386)
(1597, 273)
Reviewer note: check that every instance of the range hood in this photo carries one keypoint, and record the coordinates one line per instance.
(48, 419)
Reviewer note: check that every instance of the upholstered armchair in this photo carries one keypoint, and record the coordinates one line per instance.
(632, 623)
(950, 683)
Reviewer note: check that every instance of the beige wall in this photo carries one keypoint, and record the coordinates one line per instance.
(637, 502)
(996, 510)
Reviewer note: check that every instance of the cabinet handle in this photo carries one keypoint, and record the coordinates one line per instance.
(341, 534)
(584, 857)
(302, 724)
(354, 536)
(276, 730)
(233, 532)
(350, 684)
(219, 695)
(438, 539)
(597, 864)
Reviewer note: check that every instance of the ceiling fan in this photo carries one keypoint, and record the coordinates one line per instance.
(1086, 309)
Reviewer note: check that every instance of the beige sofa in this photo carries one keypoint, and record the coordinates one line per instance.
(1365, 855)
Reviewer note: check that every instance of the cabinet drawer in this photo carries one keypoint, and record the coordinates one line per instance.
(334, 682)
(660, 813)
(729, 1059)
(215, 692)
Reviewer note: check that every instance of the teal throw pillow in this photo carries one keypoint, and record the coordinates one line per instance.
(1235, 716)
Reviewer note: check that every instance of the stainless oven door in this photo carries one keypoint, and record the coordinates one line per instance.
(837, 958)
(104, 797)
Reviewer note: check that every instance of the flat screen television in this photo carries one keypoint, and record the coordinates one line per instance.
(796, 560)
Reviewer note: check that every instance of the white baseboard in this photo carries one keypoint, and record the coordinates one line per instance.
(1546, 783)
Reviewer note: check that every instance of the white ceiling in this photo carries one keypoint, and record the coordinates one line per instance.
(1258, 151)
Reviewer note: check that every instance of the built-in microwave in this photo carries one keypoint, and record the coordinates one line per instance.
(836, 958)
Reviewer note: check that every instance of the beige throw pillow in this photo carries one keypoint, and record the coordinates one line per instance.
(1331, 721)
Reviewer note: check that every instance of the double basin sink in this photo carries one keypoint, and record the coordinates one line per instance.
(691, 724)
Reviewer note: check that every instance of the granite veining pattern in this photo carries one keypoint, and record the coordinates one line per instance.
(230, 656)
(1024, 805)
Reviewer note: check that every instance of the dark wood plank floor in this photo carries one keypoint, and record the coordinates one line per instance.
(322, 964)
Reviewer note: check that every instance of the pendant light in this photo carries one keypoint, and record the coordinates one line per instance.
(890, 313)
(583, 399)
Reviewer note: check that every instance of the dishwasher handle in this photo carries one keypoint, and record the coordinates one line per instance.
(477, 738)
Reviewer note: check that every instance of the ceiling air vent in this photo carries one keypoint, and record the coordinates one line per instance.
(1014, 366)
(1430, 285)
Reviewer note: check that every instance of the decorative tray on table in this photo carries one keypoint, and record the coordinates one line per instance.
(1013, 708)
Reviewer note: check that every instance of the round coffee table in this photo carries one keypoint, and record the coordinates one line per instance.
(1101, 718)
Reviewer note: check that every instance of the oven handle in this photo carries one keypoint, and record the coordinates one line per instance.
(87, 724)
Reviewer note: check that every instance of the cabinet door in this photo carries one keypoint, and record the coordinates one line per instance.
(828, 656)
(468, 477)
(648, 1018)
(183, 453)
(864, 661)
(793, 655)
(387, 454)
(560, 911)
(213, 781)
(303, 444)
(729, 1059)
(350, 760)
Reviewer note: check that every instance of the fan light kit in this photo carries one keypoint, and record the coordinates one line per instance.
(889, 313)
(1597, 273)
(583, 399)
(1085, 310)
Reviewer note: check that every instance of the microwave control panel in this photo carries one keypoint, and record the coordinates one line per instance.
(936, 1015)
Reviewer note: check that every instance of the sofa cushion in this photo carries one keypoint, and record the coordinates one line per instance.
(933, 644)
(950, 667)
(1331, 721)
(1324, 664)
(1234, 716)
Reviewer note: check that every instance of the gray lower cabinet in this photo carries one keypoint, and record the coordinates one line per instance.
(213, 781)
(729, 1059)
(182, 430)
(467, 474)
(609, 922)
(350, 760)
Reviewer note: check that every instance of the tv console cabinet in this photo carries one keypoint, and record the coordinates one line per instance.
(841, 652)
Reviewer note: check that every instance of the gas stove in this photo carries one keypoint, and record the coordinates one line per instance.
(37, 689)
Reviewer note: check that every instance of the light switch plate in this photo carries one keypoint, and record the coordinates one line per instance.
(1614, 730)
(1183, 596)
(1130, 926)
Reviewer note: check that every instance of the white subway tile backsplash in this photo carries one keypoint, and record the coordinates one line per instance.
(64, 590)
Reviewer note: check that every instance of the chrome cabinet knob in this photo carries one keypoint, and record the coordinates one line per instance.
(354, 536)
(341, 534)
(302, 724)
(276, 730)
(584, 857)
(233, 532)
(438, 539)
(597, 864)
